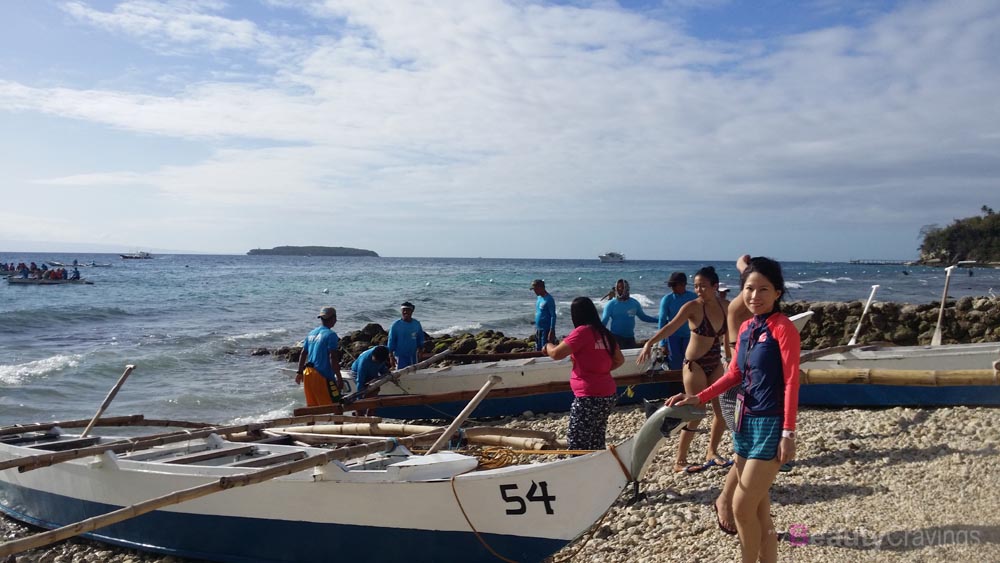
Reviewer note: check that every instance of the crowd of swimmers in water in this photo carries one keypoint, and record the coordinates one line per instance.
(33, 271)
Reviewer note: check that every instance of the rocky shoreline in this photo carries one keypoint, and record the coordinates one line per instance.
(967, 320)
(896, 484)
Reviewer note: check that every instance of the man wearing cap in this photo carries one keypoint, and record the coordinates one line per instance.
(319, 362)
(671, 303)
(545, 315)
(406, 337)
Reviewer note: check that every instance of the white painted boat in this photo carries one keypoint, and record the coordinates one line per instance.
(612, 257)
(141, 255)
(947, 357)
(516, 374)
(392, 506)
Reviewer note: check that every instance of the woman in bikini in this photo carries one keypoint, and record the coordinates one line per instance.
(706, 316)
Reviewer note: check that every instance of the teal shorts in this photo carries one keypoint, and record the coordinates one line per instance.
(758, 438)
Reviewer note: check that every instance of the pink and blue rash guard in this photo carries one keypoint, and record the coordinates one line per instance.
(622, 315)
(767, 366)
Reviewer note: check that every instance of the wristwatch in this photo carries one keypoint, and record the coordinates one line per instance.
(788, 434)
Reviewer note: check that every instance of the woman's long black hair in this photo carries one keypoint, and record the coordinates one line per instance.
(708, 273)
(583, 312)
(770, 269)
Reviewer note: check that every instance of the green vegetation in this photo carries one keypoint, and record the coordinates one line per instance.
(973, 238)
(311, 251)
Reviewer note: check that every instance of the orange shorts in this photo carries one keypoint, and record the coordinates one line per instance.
(318, 389)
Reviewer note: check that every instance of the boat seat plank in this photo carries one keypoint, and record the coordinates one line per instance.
(62, 445)
(210, 454)
(23, 439)
(264, 461)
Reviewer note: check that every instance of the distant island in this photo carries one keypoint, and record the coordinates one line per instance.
(972, 238)
(311, 251)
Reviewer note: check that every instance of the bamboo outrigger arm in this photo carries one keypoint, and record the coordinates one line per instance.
(903, 377)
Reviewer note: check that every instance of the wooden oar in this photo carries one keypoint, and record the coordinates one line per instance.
(107, 400)
(936, 339)
(864, 312)
(177, 497)
(902, 377)
(38, 461)
(448, 432)
(348, 399)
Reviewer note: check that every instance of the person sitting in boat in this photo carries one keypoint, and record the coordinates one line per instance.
(622, 312)
(370, 365)
(406, 337)
(706, 317)
(76, 274)
(595, 353)
(319, 362)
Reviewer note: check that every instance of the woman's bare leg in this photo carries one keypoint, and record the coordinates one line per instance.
(718, 423)
(694, 382)
(755, 479)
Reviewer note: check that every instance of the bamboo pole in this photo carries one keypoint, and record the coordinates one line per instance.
(224, 483)
(107, 400)
(864, 312)
(462, 416)
(901, 377)
(936, 339)
(41, 426)
(29, 463)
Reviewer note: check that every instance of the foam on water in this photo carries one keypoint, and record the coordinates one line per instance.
(258, 335)
(455, 329)
(18, 373)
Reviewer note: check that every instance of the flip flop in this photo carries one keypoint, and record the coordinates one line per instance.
(721, 463)
(685, 467)
(699, 468)
(718, 520)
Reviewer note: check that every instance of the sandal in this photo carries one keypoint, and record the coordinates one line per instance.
(683, 466)
(718, 520)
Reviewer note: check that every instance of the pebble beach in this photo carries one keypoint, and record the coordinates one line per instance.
(900, 484)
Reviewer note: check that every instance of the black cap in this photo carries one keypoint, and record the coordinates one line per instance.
(677, 277)
(407, 305)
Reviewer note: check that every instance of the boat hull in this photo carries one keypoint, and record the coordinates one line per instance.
(947, 357)
(514, 374)
(525, 512)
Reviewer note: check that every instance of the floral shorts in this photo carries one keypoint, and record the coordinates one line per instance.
(588, 422)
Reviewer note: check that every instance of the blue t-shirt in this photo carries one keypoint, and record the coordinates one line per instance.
(405, 339)
(670, 305)
(622, 315)
(318, 345)
(366, 369)
(545, 312)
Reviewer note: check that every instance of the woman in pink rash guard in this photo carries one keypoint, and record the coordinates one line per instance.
(595, 353)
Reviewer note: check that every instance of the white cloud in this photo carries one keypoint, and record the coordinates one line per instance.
(475, 111)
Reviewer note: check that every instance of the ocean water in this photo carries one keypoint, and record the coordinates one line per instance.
(189, 322)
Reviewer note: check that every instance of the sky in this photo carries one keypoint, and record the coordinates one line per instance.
(673, 129)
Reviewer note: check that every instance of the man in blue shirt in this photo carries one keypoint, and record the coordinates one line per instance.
(406, 337)
(676, 344)
(319, 362)
(370, 365)
(545, 315)
(622, 311)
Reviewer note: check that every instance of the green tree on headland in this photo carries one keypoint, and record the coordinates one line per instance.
(973, 238)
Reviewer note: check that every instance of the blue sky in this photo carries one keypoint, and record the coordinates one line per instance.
(812, 130)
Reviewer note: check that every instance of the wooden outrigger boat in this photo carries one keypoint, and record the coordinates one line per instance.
(13, 280)
(945, 358)
(536, 384)
(187, 494)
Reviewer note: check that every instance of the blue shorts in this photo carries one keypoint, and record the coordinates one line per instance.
(758, 438)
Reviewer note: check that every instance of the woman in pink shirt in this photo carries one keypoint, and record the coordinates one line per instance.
(594, 353)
